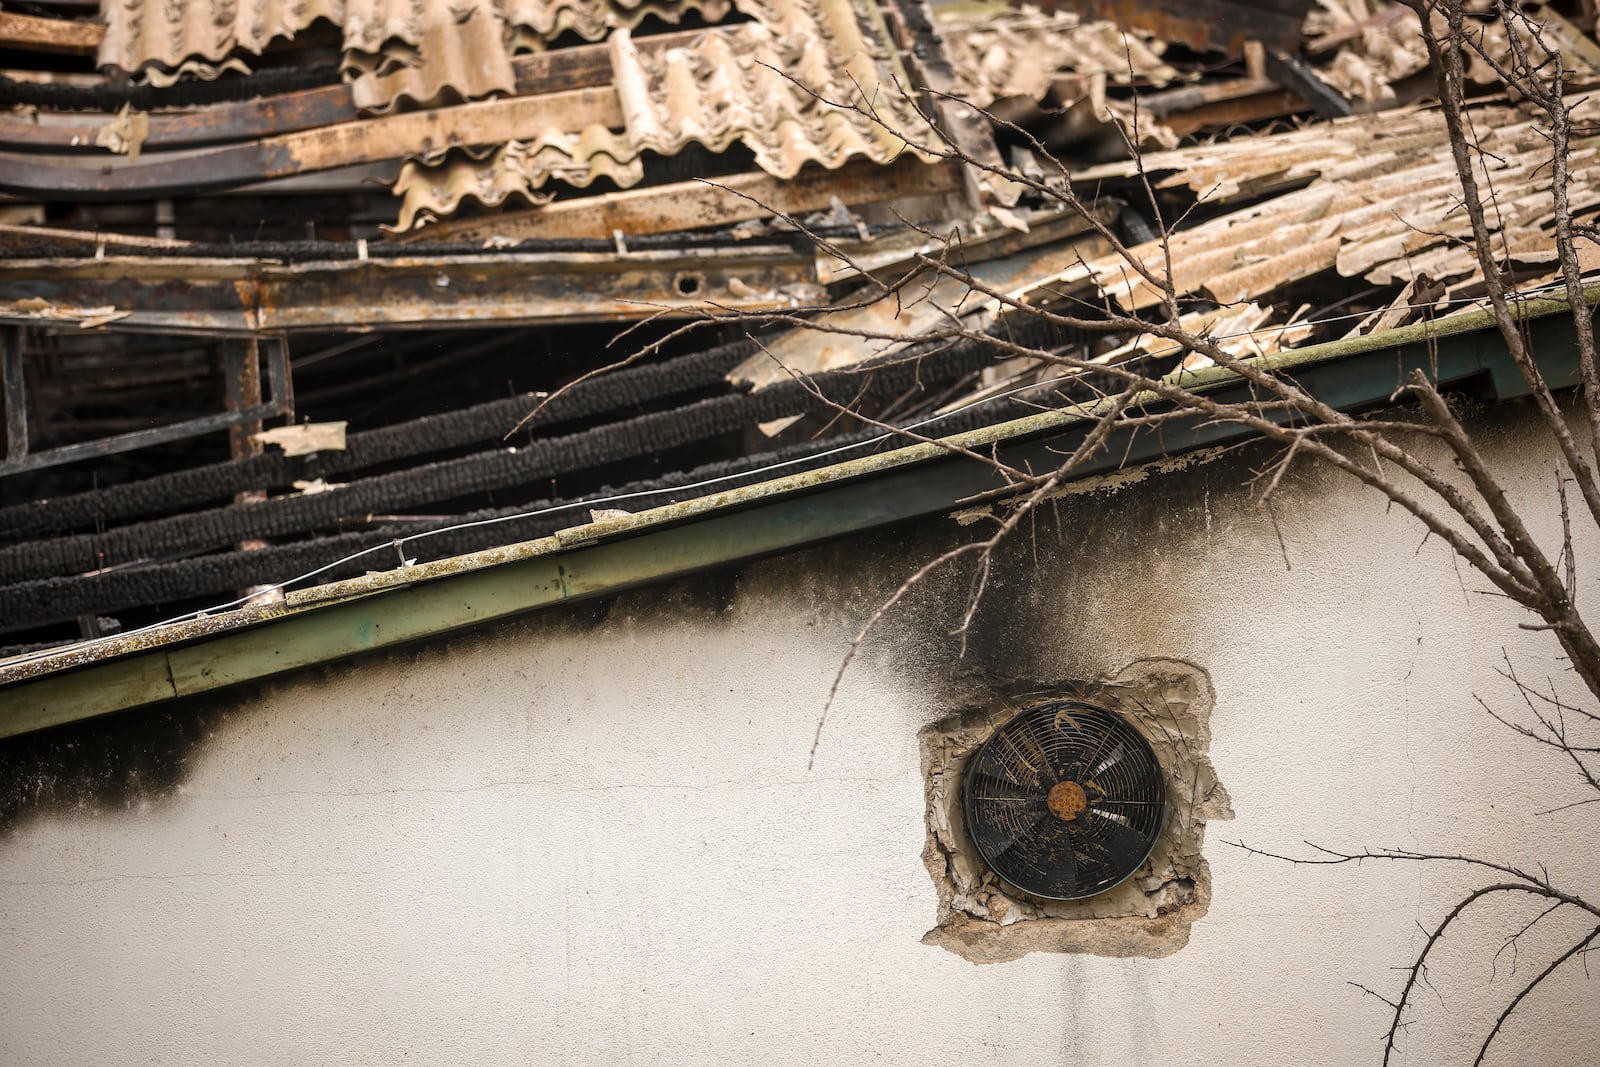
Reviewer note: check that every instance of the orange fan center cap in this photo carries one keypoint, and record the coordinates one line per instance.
(1066, 800)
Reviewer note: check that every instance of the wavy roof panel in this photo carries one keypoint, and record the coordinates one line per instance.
(141, 32)
(1022, 55)
(811, 81)
(1378, 203)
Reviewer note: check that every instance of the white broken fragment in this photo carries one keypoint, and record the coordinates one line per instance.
(35, 307)
(602, 514)
(125, 135)
(1011, 220)
(304, 439)
(316, 485)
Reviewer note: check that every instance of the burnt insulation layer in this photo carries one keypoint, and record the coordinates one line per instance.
(54, 599)
(482, 472)
(628, 387)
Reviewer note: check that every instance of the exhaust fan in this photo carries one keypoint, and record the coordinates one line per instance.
(1065, 800)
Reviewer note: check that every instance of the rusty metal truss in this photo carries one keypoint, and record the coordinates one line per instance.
(20, 457)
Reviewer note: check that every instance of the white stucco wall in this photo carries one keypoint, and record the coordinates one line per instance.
(582, 841)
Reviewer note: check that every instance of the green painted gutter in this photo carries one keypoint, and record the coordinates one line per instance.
(390, 608)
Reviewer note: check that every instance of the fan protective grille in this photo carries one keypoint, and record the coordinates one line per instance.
(1065, 800)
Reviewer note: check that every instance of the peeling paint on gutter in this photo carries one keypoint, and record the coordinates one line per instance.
(389, 608)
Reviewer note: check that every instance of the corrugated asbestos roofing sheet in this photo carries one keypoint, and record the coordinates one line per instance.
(781, 85)
(1024, 55)
(417, 50)
(1370, 196)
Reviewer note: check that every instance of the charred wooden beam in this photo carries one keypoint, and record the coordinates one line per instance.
(15, 394)
(967, 128)
(1289, 70)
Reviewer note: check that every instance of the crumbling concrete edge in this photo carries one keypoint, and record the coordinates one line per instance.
(983, 920)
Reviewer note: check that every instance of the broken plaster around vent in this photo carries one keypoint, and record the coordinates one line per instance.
(983, 919)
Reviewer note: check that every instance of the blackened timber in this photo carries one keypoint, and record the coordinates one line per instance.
(15, 394)
(1292, 72)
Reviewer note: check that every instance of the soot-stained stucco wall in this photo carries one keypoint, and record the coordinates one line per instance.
(593, 836)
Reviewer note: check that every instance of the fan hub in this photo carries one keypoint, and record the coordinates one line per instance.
(1066, 801)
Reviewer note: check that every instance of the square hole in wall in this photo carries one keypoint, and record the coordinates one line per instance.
(985, 918)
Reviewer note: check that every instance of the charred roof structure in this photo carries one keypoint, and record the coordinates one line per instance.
(285, 289)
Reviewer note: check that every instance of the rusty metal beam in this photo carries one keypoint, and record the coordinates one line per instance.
(365, 141)
(238, 296)
(280, 403)
(691, 205)
(15, 393)
(37, 34)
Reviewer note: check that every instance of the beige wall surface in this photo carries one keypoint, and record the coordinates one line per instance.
(592, 837)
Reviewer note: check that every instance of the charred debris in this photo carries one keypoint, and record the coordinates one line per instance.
(281, 284)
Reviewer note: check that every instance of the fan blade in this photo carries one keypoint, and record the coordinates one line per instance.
(1007, 838)
(1055, 859)
(1004, 786)
(1113, 841)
